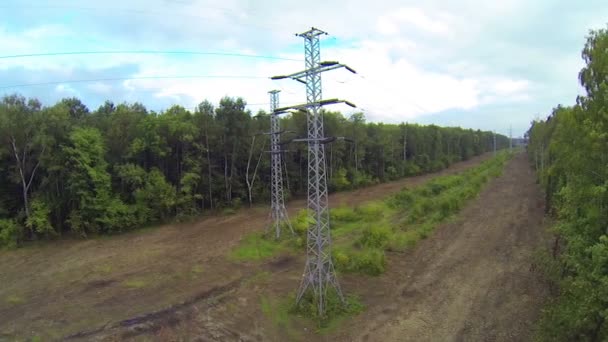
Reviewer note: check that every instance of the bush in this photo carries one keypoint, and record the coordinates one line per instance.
(370, 261)
(361, 178)
(343, 214)
(403, 240)
(39, 221)
(10, 233)
(375, 236)
(403, 198)
(411, 169)
(301, 223)
(371, 212)
(339, 181)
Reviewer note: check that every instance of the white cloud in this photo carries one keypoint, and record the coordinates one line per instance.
(418, 58)
(394, 22)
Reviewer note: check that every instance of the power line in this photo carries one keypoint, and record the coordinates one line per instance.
(128, 78)
(229, 54)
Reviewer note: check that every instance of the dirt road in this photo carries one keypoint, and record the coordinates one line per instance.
(473, 280)
(57, 289)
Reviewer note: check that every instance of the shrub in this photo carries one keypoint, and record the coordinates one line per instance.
(39, 221)
(370, 261)
(371, 212)
(10, 233)
(375, 235)
(361, 178)
(403, 198)
(339, 181)
(403, 240)
(301, 222)
(343, 214)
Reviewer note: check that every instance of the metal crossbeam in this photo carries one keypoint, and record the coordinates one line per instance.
(319, 272)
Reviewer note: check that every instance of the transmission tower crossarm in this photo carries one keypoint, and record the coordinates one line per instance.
(322, 67)
(317, 104)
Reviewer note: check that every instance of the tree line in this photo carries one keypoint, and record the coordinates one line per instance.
(65, 169)
(568, 149)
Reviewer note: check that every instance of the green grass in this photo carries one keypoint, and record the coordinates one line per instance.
(277, 311)
(335, 309)
(257, 247)
(15, 299)
(361, 235)
(198, 269)
(286, 315)
(135, 283)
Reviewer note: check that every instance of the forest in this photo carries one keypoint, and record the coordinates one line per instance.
(69, 170)
(568, 149)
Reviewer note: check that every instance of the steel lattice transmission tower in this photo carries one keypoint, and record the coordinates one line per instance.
(319, 273)
(278, 212)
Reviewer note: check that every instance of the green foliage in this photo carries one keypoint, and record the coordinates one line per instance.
(372, 211)
(256, 247)
(362, 179)
(343, 214)
(568, 152)
(10, 233)
(39, 220)
(370, 261)
(376, 236)
(339, 181)
(403, 240)
(363, 234)
(301, 222)
(156, 200)
(122, 166)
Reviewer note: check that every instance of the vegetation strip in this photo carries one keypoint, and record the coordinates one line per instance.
(361, 235)
(568, 150)
(68, 170)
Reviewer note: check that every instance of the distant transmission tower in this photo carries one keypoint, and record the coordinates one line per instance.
(278, 212)
(319, 272)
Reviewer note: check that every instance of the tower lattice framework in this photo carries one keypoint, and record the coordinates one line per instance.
(319, 272)
(278, 212)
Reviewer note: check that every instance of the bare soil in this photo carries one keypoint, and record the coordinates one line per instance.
(471, 280)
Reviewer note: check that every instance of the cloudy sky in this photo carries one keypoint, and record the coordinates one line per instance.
(471, 63)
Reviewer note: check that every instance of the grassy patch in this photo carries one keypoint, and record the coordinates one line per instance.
(335, 309)
(104, 268)
(197, 269)
(257, 247)
(287, 316)
(361, 235)
(276, 310)
(259, 277)
(135, 283)
(15, 299)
